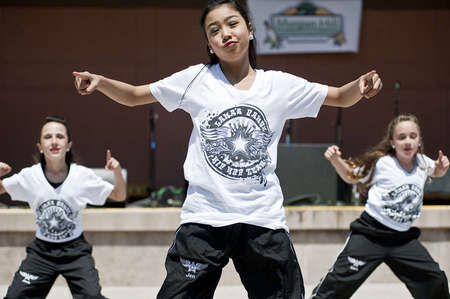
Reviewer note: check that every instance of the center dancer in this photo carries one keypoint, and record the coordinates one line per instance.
(234, 205)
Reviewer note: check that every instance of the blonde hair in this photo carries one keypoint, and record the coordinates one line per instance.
(366, 162)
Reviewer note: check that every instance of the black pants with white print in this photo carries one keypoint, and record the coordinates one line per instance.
(45, 261)
(264, 258)
(369, 244)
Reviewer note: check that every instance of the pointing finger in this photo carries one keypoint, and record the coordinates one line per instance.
(108, 156)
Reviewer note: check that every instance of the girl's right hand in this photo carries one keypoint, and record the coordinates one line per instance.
(4, 169)
(85, 82)
(333, 152)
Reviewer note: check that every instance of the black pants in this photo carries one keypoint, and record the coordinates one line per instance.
(264, 259)
(370, 244)
(45, 261)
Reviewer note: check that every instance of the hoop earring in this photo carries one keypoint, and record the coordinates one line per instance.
(251, 37)
(211, 52)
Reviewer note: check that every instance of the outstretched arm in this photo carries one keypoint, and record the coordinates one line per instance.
(119, 191)
(367, 86)
(4, 170)
(441, 165)
(123, 93)
(333, 154)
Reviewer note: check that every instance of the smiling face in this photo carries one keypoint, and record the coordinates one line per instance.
(54, 142)
(228, 33)
(406, 140)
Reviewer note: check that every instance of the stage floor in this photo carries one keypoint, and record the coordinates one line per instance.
(367, 291)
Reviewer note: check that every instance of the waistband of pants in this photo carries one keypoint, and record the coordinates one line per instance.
(59, 244)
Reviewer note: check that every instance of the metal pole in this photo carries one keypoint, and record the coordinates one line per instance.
(339, 142)
(339, 128)
(152, 147)
(396, 97)
(288, 131)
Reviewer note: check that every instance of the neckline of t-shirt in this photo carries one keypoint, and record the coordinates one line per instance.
(50, 183)
(243, 93)
(413, 171)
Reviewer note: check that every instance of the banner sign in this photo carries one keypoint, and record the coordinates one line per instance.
(314, 26)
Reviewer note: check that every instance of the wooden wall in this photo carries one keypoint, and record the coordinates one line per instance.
(41, 46)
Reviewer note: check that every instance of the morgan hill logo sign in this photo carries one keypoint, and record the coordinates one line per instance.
(308, 26)
(304, 23)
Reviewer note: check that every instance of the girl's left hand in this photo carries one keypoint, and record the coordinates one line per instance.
(111, 163)
(441, 164)
(370, 84)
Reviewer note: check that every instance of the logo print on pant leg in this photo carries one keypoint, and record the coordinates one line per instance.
(27, 277)
(355, 263)
(192, 267)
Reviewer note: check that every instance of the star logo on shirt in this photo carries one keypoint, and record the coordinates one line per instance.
(53, 222)
(240, 144)
(235, 143)
(56, 219)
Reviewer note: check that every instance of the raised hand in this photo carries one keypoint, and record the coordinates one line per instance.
(441, 165)
(4, 169)
(370, 84)
(332, 152)
(111, 163)
(119, 192)
(85, 82)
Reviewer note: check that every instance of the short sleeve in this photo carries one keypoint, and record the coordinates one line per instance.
(95, 190)
(302, 98)
(170, 90)
(18, 185)
(426, 163)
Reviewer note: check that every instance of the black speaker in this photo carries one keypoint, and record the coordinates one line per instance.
(305, 175)
(438, 190)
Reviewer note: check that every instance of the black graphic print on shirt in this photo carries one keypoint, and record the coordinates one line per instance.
(235, 143)
(55, 219)
(403, 204)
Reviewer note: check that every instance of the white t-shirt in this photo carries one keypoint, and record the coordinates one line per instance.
(232, 153)
(58, 216)
(395, 196)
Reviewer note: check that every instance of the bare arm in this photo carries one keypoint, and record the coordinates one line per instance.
(119, 191)
(123, 93)
(4, 169)
(367, 86)
(2, 189)
(333, 154)
(442, 165)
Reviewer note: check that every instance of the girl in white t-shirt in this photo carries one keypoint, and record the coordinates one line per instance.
(57, 189)
(234, 205)
(394, 172)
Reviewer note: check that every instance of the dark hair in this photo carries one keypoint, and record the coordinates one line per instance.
(212, 4)
(368, 160)
(60, 120)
